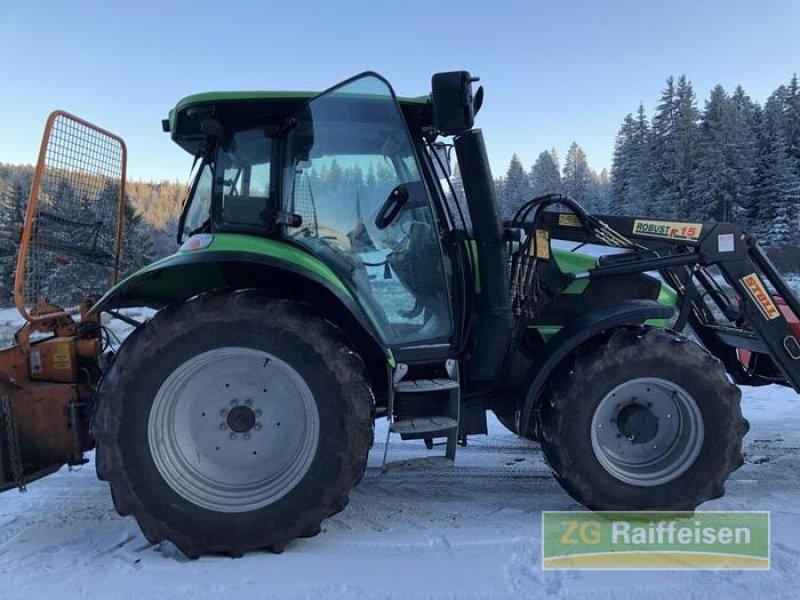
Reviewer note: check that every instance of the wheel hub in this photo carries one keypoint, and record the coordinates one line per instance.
(637, 423)
(241, 419)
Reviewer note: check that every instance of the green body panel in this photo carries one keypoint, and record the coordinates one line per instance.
(575, 262)
(547, 331)
(472, 249)
(207, 277)
(235, 96)
(236, 242)
(667, 296)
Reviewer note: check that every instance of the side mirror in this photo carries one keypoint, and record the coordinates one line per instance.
(453, 102)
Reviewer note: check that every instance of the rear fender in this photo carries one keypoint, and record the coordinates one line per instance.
(579, 332)
(179, 277)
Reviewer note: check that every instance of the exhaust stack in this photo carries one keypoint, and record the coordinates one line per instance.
(492, 332)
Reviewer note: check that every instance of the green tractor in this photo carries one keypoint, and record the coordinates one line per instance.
(327, 278)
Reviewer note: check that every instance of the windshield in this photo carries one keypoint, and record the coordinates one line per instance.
(349, 151)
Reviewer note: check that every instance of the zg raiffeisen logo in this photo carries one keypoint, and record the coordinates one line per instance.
(655, 540)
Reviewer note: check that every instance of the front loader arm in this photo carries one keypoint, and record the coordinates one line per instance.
(683, 253)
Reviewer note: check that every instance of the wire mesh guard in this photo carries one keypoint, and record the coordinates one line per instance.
(71, 241)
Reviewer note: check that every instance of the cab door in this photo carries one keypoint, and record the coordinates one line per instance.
(353, 175)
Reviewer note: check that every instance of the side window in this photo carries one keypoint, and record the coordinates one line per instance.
(243, 171)
(198, 213)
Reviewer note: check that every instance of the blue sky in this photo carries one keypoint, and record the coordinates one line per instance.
(554, 72)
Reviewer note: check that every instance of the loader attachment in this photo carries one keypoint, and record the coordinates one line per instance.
(69, 254)
(729, 293)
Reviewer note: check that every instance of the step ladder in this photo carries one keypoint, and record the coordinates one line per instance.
(431, 426)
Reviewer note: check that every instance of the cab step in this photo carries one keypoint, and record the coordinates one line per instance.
(426, 385)
(425, 426)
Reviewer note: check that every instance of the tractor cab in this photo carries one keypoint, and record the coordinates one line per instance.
(337, 175)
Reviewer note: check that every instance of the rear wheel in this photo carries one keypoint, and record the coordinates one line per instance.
(648, 421)
(233, 423)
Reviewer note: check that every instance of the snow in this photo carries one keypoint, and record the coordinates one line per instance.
(470, 531)
(10, 321)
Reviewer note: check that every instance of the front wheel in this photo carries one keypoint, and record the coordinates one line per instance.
(232, 423)
(647, 421)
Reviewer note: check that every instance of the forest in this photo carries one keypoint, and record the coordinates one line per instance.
(151, 216)
(734, 160)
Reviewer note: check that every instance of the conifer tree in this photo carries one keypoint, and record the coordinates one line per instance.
(623, 167)
(663, 154)
(778, 175)
(715, 185)
(515, 188)
(544, 176)
(686, 133)
(577, 177)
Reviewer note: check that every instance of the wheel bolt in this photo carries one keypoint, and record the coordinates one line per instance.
(248, 403)
(232, 436)
(247, 436)
(223, 426)
(234, 402)
(223, 413)
(257, 426)
(258, 412)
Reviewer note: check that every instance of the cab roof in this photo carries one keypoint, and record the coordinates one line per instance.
(241, 107)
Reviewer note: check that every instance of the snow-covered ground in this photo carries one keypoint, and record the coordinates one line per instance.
(470, 531)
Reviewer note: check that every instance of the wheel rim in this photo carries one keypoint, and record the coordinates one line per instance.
(233, 429)
(647, 431)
